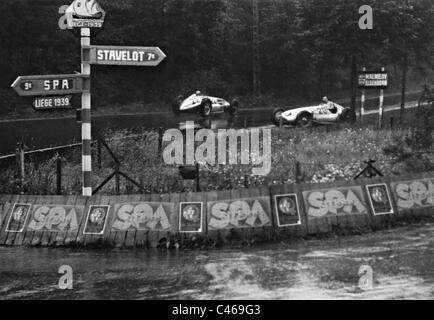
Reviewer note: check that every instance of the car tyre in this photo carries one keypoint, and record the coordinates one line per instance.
(206, 108)
(176, 104)
(277, 114)
(305, 120)
(233, 108)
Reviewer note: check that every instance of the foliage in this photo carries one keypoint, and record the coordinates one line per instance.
(305, 46)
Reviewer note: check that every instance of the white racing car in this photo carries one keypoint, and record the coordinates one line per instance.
(203, 104)
(325, 113)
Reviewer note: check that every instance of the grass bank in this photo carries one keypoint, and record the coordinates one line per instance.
(324, 154)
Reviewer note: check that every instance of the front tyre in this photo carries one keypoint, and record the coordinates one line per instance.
(305, 120)
(277, 115)
(177, 104)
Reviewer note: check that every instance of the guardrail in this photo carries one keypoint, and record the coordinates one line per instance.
(215, 218)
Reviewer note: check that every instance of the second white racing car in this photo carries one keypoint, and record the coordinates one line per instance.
(325, 113)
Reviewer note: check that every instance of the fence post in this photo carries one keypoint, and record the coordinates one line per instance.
(20, 159)
(117, 183)
(246, 181)
(59, 176)
(298, 173)
(99, 156)
(391, 123)
(197, 177)
(160, 140)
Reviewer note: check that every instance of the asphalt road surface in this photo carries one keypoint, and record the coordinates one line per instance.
(401, 261)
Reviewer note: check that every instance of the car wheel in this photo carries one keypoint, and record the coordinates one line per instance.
(305, 120)
(345, 116)
(277, 115)
(233, 108)
(207, 108)
(176, 104)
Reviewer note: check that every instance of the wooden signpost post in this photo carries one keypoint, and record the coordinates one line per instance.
(373, 80)
(62, 86)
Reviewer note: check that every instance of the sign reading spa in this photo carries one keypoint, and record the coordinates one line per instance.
(414, 193)
(241, 213)
(153, 216)
(336, 201)
(55, 218)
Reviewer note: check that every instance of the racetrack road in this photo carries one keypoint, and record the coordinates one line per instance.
(401, 259)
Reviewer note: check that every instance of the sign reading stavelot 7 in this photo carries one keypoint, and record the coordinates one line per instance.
(48, 85)
(54, 102)
(373, 79)
(127, 56)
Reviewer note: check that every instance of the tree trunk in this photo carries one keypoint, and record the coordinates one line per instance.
(352, 113)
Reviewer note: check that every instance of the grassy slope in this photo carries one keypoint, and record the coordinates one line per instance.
(325, 154)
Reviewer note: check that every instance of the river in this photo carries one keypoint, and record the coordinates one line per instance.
(402, 262)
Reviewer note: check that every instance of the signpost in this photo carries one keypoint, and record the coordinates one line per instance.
(83, 14)
(124, 56)
(373, 80)
(52, 102)
(49, 85)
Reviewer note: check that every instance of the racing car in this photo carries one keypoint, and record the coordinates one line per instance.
(206, 105)
(325, 113)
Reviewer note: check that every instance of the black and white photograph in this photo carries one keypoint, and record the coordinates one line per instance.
(197, 152)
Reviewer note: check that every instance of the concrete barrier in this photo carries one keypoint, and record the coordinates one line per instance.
(215, 218)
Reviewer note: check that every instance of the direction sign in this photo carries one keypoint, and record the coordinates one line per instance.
(48, 85)
(373, 80)
(125, 56)
(52, 102)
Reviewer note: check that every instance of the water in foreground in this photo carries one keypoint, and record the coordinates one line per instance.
(402, 261)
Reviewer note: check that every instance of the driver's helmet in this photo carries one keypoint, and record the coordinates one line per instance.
(198, 93)
(325, 99)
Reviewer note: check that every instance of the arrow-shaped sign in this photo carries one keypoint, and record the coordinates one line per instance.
(125, 56)
(48, 85)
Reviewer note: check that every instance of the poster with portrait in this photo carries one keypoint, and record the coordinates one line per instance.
(379, 199)
(18, 217)
(96, 220)
(190, 217)
(287, 210)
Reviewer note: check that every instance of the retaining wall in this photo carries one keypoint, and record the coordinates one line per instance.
(214, 218)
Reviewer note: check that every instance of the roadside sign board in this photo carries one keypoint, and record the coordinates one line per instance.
(85, 14)
(48, 85)
(372, 79)
(125, 56)
(52, 102)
